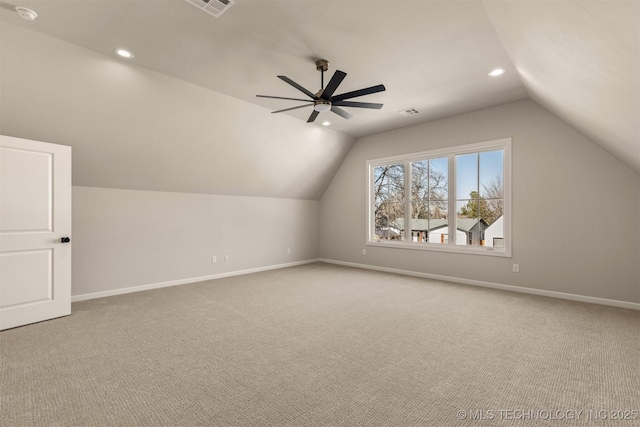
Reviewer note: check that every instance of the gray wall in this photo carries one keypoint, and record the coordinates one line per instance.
(564, 186)
(259, 175)
(136, 129)
(127, 238)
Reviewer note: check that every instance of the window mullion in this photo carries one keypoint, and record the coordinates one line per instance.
(451, 194)
(407, 201)
(372, 204)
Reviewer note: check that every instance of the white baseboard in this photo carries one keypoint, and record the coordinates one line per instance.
(140, 288)
(541, 292)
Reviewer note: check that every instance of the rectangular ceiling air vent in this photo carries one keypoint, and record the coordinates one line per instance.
(409, 111)
(213, 7)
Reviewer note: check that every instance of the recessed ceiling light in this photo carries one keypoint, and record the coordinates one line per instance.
(496, 72)
(124, 53)
(326, 123)
(25, 13)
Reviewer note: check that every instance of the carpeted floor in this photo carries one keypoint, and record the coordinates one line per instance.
(324, 345)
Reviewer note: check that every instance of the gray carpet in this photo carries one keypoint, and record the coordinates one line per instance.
(324, 345)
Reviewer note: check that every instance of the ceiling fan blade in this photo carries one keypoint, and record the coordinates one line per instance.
(292, 108)
(297, 86)
(313, 116)
(341, 112)
(335, 81)
(281, 97)
(355, 93)
(358, 104)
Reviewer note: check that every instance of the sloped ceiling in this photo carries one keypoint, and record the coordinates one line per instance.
(183, 115)
(132, 128)
(579, 59)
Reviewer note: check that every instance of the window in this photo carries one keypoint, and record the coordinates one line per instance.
(455, 199)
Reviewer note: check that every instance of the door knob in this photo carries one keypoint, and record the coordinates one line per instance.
(65, 240)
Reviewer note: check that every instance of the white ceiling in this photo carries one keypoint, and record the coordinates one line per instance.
(580, 59)
(577, 58)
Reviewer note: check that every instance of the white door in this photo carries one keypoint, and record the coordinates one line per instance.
(35, 216)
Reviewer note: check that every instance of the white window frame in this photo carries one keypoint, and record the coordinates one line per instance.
(449, 152)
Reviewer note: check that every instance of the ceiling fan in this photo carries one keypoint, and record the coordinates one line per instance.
(323, 100)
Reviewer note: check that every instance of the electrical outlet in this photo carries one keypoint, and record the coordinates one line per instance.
(214, 259)
(226, 258)
(516, 268)
(288, 251)
(364, 252)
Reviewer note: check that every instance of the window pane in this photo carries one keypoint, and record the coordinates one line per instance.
(390, 221)
(420, 189)
(480, 206)
(419, 201)
(434, 220)
(494, 234)
(439, 223)
(467, 222)
(491, 168)
(492, 184)
(438, 173)
(466, 175)
(389, 181)
(429, 192)
(419, 230)
(389, 201)
(419, 222)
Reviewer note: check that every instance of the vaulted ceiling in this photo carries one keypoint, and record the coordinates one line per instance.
(579, 59)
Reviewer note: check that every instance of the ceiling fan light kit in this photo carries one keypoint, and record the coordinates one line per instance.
(322, 106)
(323, 100)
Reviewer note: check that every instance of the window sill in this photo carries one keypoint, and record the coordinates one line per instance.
(458, 249)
